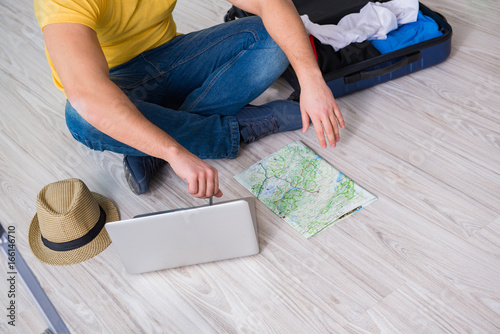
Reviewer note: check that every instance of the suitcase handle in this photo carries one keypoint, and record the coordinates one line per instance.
(362, 75)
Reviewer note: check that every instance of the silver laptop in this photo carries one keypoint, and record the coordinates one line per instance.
(184, 237)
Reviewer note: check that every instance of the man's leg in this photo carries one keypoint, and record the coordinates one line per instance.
(208, 137)
(215, 71)
(218, 70)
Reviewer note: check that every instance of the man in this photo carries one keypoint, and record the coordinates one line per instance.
(136, 87)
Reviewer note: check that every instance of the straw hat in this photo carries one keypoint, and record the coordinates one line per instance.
(69, 224)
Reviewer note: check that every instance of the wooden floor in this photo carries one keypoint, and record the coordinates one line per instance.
(424, 258)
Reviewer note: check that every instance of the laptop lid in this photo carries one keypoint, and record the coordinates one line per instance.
(187, 236)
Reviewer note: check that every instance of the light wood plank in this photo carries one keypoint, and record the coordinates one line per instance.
(462, 275)
(423, 258)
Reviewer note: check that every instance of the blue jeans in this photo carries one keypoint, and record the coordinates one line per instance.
(193, 86)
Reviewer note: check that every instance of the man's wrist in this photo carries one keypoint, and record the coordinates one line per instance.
(171, 152)
(309, 76)
(174, 151)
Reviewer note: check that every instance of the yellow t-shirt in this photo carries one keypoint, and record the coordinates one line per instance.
(125, 28)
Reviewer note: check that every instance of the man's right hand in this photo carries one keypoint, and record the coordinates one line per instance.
(202, 179)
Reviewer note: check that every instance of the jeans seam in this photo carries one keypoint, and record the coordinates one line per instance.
(164, 71)
(251, 31)
(235, 134)
(212, 82)
(143, 56)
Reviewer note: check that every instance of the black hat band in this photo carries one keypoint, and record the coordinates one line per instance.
(82, 241)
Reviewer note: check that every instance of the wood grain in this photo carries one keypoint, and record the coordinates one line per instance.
(424, 258)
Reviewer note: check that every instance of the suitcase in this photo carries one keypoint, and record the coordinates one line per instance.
(372, 71)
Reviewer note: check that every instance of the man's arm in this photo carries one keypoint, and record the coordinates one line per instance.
(316, 101)
(80, 63)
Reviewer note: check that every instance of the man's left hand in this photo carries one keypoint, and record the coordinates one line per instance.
(318, 104)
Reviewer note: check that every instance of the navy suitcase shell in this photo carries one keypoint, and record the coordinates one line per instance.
(376, 70)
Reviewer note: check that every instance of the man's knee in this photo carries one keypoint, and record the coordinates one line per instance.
(275, 59)
(279, 62)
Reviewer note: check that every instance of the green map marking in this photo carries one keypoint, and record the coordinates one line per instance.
(303, 189)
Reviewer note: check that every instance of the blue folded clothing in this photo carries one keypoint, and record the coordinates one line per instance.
(423, 29)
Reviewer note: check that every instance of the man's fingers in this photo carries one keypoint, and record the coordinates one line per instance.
(202, 185)
(202, 179)
(197, 185)
(216, 185)
(338, 114)
(305, 122)
(331, 131)
(205, 184)
(336, 131)
(210, 183)
(193, 186)
(318, 128)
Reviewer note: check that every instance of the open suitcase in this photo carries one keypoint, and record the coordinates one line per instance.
(371, 71)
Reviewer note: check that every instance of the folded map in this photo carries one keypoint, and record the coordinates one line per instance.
(304, 189)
